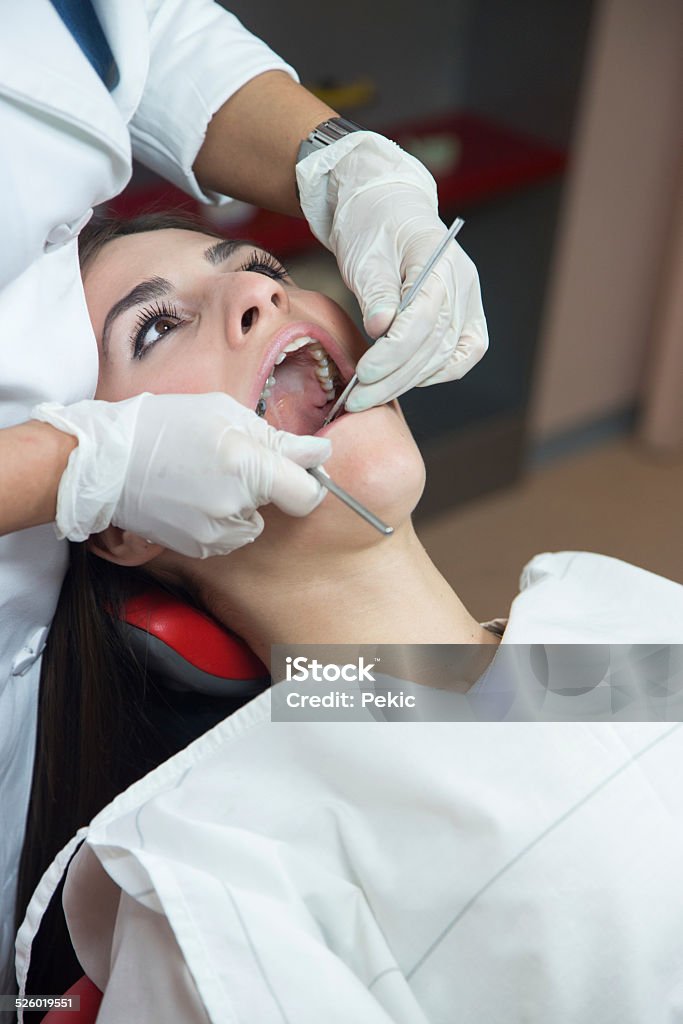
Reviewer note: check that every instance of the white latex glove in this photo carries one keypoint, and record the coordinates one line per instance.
(375, 207)
(185, 471)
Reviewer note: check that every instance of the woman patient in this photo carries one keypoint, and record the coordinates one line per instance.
(370, 872)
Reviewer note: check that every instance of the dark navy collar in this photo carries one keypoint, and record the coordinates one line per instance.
(82, 22)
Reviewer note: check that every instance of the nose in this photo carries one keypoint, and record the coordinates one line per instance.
(253, 302)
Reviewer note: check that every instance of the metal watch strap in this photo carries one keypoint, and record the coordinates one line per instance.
(327, 133)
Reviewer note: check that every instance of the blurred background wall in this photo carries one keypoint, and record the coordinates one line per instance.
(616, 247)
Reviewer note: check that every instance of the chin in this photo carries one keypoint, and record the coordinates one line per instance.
(374, 458)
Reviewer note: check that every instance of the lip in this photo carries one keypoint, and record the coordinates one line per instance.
(330, 426)
(301, 329)
(393, 405)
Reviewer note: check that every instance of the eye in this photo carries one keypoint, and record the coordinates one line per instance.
(151, 325)
(261, 262)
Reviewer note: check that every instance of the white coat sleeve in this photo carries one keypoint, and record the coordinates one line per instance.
(200, 55)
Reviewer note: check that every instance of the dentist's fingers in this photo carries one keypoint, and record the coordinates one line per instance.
(433, 341)
(399, 378)
(275, 478)
(186, 471)
(418, 328)
(276, 471)
(472, 345)
(295, 491)
(304, 449)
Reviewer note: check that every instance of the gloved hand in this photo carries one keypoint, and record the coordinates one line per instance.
(185, 471)
(375, 207)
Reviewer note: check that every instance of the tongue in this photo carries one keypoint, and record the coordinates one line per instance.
(297, 403)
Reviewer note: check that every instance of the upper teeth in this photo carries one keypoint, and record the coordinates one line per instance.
(298, 343)
(326, 370)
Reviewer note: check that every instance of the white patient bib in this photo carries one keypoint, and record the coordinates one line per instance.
(413, 873)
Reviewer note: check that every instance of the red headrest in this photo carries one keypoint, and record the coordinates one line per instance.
(192, 634)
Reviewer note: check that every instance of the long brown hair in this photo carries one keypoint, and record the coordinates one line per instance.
(95, 735)
(91, 728)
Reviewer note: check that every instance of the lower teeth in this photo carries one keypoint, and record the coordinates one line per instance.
(261, 407)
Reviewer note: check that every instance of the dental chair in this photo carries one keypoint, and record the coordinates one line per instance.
(188, 653)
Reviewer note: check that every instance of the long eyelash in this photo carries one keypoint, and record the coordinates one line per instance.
(145, 319)
(265, 263)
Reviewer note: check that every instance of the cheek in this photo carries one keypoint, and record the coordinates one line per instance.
(193, 372)
(116, 386)
(376, 460)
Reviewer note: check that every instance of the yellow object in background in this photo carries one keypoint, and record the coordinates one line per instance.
(345, 96)
(439, 151)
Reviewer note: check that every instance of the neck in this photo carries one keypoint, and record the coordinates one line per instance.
(389, 593)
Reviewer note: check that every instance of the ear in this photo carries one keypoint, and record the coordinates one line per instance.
(123, 547)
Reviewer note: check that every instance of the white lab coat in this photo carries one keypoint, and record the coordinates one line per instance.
(67, 145)
(406, 873)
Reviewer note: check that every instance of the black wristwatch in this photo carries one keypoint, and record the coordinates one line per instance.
(327, 133)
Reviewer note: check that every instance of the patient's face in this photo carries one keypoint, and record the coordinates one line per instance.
(176, 311)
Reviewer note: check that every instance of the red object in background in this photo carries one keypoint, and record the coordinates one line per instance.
(494, 161)
(90, 997)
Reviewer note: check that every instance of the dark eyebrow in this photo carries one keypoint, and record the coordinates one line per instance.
(146, 291)
(222, 251)
(158, 287)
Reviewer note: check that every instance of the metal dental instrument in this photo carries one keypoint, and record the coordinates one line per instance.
(404, 303)
(322, 478)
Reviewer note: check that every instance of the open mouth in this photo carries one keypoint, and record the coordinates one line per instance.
(301, 388)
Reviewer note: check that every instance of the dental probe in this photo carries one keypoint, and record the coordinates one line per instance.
(403, 304)
(322, 477)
